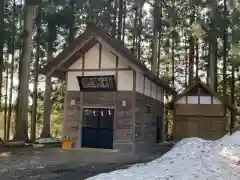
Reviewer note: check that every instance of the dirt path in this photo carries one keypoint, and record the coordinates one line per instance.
(54, 163)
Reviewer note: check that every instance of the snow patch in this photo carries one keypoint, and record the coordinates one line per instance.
(190, 159)
(47, 141)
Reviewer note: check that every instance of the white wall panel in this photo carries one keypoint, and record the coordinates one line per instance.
(159, 94)
(205, 100)
(92, 58)
(125, 80)
(72, 81)
(122, 63)
(162, 94)
(147, 89)
(139, 83)
(182, 100)
(192, 99)
(216, 101)
(77, 65)
(154, 91)
(108, 59)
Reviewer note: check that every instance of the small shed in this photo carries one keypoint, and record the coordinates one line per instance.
(199, 112)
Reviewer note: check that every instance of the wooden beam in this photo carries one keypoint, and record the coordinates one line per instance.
(100, 55)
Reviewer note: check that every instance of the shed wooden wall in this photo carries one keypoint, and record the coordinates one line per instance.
(210, 128)
(201, 116)
(200, 109)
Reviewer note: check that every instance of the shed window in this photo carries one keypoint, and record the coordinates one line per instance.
(192, 99)
(147, 109)
(205, 100)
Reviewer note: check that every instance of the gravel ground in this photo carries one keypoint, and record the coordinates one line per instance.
(56, 164)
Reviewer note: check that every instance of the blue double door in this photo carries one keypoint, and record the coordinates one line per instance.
(97, 129)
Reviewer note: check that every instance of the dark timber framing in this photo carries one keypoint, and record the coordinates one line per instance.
(100, 56)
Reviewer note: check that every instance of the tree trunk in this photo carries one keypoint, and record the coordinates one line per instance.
(139, 34)
(2, 3)
(124, 19)
(191, 51)
(197, 57)
(173, 62)
(120, 19)
(90, 16)
(139, 29)
(10, 97)
(19, 73)
(36, 74)
(6, 98)
(155, 38)
(12, 51)
(225, 51)
(134, 33)
(46, 132)
(22, 127)
(159, 39)
(114, 23)
(232, 122)
(208, 64)
(71, 29)
(213, 48)
(213, 65)
(186, 62)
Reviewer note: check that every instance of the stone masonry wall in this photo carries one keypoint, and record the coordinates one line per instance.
(123, 134)
(123, 115)
(72, 121)
(123, 137)
(145, 128)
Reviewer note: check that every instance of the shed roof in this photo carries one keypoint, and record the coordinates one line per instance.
(87, 40)
(198, 82)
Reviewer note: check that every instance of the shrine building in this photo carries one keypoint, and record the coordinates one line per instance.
(112, 101)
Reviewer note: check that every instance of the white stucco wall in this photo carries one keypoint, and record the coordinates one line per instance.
(92, 58)
(125, 80)
(108, 59)
(77, 65)
(194, 100)
(139, 83)
(160, 94)
(148, 88)
(123, 62)
(72, 81)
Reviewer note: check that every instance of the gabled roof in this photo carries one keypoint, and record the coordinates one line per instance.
(197, 82)
(87, 40)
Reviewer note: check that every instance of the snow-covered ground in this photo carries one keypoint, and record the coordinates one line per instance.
(190, 159)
